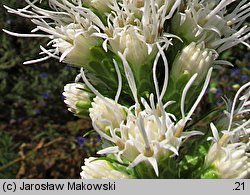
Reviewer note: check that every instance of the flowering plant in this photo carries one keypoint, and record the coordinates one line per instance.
(144, 68)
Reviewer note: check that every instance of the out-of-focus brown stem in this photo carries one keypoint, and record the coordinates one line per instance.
(23, 157)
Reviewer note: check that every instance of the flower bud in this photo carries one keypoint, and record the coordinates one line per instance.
(190, 31)
(137, 52)
(99, 5)
(106, 111)
(75, 49)
(194, 58)
(212, 23)
(78, 99)
(228, 157)
(232, 162)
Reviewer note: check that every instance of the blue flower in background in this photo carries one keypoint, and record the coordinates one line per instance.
(225, 77)
(37, 111)
(62, 97)
(235, 71)
(45, 95)
(218, 92)
(218, 103)
(80, 141)
(244, 78)
(229, 88)
(43, 75)
(99, 138)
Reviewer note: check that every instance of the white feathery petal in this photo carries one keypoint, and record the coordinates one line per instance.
(234, 104)
(215, 137)
(206, 83)
(184, 93)
(129, 76)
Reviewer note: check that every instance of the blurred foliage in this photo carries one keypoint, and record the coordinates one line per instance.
(38, 149)
(7, 154)
(28, 90)
(39, 138)
(13, 50)
(227, 80)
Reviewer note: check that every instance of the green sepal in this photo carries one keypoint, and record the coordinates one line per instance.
(83, 108)
(83, 104)
(82, 113)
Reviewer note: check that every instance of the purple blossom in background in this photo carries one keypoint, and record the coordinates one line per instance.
(99, 138)
(244, 78)
(43, 75)
(229, 88)
(80, 141)
(62, 97)
(37, 111)
(218, 92)
(45, 95)
(218, 103)
(225, 77)
(235, 71)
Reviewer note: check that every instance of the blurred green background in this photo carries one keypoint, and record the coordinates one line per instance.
(39, 138)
